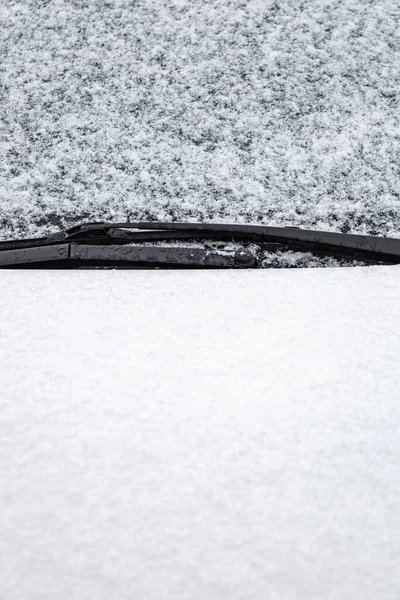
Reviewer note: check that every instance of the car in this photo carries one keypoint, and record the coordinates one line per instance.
(199, 299)
(200, 433)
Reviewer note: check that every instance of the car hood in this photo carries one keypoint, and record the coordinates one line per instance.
(200, 434)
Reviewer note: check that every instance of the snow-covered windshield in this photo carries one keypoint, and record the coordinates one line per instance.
(279, 113)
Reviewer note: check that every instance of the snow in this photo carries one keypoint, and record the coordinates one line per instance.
(191, 435)
(217, 110)
(200, 435)
(266, 259)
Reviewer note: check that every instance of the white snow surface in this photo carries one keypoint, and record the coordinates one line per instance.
(272, 111)
(200, 435)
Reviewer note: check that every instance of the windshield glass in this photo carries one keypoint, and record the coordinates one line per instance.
(262, 113)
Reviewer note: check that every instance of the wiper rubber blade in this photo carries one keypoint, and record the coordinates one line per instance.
(109, 237)
(73, 255)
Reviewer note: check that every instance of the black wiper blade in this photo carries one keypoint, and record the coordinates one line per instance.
(103, 242)
(74, 255)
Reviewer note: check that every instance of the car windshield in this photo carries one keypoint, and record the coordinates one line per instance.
(255, 113)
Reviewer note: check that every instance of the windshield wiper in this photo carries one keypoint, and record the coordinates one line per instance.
(129, 245)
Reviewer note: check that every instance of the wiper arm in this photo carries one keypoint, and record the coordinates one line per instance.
(91, 244)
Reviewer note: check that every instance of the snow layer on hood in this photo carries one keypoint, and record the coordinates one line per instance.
(218, 110)
(200, 435)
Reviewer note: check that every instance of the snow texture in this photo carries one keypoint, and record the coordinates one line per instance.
(200, 435)
(272, 111)
(266, 259)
